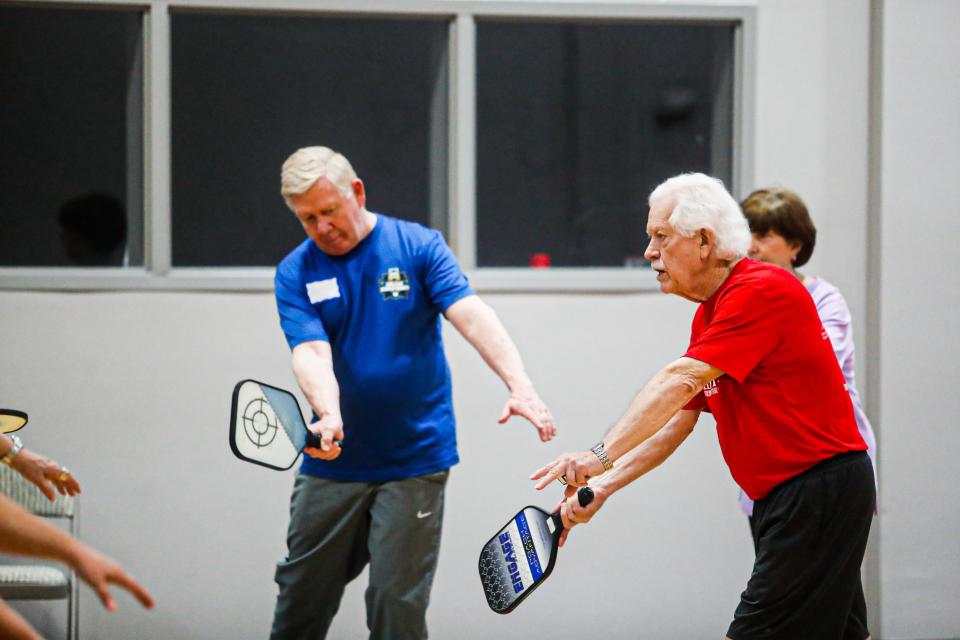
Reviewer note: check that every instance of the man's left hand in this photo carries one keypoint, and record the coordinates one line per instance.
(575, 469)
(527, 404)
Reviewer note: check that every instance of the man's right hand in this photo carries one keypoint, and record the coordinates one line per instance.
(573, 514)
(329, 428)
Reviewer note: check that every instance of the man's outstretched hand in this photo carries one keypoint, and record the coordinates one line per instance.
(527, 404)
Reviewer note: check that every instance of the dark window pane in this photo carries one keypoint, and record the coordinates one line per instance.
(578, 122)
(248, 90)
(71, 128)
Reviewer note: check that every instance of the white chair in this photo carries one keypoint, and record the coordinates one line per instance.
(40, 582)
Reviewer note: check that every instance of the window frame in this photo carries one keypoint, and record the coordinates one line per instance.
(158, 273)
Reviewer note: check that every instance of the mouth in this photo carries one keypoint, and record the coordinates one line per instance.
(333, 237)
(661, 274)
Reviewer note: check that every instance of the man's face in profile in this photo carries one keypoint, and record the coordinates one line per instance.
(675, 258)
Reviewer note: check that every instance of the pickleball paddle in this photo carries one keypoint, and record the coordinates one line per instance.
(11, 420)
(522, 555)
(266, 426)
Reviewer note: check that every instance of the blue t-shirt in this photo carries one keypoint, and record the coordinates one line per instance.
(379, 308)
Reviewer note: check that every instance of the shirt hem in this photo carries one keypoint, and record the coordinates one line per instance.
(380, 476)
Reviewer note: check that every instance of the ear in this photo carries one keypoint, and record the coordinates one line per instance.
(359, 192)
(707, 243)
(795, 248)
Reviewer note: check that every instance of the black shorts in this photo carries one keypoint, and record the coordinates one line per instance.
(810, 533)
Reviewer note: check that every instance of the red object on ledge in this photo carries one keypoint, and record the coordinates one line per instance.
(540, 260)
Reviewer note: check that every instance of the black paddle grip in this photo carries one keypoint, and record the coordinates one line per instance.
(585, 496)
(313, 440)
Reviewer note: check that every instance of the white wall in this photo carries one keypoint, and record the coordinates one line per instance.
(920, 293)
(132, 391)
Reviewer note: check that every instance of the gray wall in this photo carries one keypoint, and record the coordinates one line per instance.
(919, 292)
(131, 390)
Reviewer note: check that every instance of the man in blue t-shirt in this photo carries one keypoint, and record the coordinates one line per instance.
(360, 303)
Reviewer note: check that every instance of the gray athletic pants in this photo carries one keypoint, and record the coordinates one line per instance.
(336, 528)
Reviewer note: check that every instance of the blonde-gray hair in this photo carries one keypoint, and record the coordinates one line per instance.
(307, 165)
(702, 202)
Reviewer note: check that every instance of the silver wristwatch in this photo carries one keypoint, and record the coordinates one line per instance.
(12, 453)
(605, 460)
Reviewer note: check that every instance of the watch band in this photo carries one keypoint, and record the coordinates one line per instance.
(14, 450)
(601, 454)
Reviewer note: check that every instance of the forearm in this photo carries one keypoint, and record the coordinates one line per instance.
(479, 324)
(6, 443)
(13, 626)
(313, 368)
(24, 534)
(659, 400)
(649, 455)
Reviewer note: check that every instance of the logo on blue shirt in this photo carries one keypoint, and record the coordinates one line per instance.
(394, 284)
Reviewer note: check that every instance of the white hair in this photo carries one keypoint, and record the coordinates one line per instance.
(702, 202)
(307, 165)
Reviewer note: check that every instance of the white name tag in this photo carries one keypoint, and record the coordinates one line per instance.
(323, 290)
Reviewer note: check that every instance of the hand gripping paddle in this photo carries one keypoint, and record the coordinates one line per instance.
(266, 426)
(11, 420)
(522, 555)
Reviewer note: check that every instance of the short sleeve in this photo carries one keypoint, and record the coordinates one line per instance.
(745, 329)
(298, 319)
(444, 280)
(697, 403)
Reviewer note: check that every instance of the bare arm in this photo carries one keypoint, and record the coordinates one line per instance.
(480, 326)
(22, 533)
(659, 400)
(644, 458)
(313, 368)
(637, 462)
(13, 626)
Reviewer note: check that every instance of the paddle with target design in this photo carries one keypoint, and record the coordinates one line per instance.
(266, 426)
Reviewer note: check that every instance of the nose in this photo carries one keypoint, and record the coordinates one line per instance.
(323, 227)
(754, 249)
(651, 252)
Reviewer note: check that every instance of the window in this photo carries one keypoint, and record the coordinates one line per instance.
(71, 126)
(149, 138)
(578, 122)
(248, 90)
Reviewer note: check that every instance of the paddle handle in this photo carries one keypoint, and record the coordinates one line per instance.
(313, 440)
(584, 497)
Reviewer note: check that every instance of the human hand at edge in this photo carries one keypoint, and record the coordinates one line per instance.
(527, 404)
(99, 571)
(46, 474)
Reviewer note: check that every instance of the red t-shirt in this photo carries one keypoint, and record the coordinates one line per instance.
(783, 404)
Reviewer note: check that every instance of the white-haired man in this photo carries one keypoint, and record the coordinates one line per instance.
(761, 362)
(360, 303)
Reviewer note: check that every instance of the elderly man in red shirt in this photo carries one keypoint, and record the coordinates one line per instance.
(761, 362)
